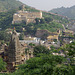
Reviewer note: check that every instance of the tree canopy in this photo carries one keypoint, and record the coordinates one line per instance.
(2, 65)
(40, 49)
(45, 65)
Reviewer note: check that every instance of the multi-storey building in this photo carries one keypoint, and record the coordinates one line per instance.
(26, 16)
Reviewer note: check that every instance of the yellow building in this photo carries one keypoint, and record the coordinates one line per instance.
(52, 37)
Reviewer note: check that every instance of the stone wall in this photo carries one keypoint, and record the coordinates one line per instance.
(45, 33)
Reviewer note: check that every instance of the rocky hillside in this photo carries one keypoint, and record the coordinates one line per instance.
(50, 22)
(6, 5)
(69, 12)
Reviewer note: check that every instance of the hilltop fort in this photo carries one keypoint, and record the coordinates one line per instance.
(25, 16)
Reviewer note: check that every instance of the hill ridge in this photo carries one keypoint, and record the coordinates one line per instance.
(69, 12)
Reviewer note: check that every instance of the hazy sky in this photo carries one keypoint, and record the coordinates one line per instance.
(49, 4)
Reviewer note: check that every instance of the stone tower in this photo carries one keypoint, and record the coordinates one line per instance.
(14, 53)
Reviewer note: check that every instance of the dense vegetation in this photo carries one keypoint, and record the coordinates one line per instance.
(2, 65)
(6, 19)
(69, 12)
(48, 64)
(45, 65)
(31, 9)
(44, 24)
(40, 49)
(4, 36)
(56, 18)
(6, 5)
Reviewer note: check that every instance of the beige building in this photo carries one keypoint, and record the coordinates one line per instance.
(26, 16)
(51, 37)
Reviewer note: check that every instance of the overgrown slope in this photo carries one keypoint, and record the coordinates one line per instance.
(49, 22)
(6, 5)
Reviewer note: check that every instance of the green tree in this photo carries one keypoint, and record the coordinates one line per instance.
(45, 65)
(48, 19)
(37, 20)
(40, 49)
(31, 44)
(69, 50)
(42, 21)
(4, 36)
(2, 65)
